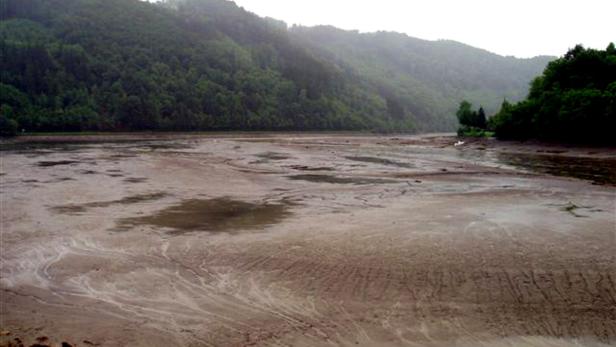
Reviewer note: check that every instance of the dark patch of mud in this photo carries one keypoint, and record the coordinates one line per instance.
(212, 215)
(61, 179)
(161, 146)
(273, 156)
(135, 179)
(45, 163)
(316, 178)
(311, 168)
(134, 199)
(381, 161)
(35, 149)
(598, 170)
(576, 210)
(120, 156)
(552, 151)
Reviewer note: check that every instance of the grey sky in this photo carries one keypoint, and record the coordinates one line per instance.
(522, 28)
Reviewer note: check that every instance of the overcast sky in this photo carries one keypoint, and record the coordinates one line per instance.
(523, 28)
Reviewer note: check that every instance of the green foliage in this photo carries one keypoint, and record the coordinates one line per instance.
(465, 114)
(472, 123)
(468, 131)
(480, 119)
(98, 65)
(77, 65)
(8, 125)
(573, 101)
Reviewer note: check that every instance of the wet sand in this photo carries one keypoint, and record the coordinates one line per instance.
(306, 240)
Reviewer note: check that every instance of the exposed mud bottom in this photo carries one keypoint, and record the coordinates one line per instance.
(307, 240)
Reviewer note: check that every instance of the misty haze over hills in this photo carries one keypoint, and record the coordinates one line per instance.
(211, 65)
(427, 75)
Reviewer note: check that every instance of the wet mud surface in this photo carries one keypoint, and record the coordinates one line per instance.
(306, 240)
(318, 178)
(214, 215)
(84, 207)
(382, 161)
(596, 170)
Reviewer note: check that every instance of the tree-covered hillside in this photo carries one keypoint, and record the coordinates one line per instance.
(427, 77)
(574, 100)
(70, 65)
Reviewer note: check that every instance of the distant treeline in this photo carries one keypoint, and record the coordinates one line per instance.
(76, 65)
(574, 101)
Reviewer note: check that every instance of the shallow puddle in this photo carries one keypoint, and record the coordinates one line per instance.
(213, 215)
(339, 180)
(381, 161)
(597, 170)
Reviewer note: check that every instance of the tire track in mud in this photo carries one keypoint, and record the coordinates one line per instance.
(559, 302)
(510, 302)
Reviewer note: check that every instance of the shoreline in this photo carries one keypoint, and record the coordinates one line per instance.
(436, 139)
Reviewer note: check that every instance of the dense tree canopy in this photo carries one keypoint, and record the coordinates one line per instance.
(124, 64)
(468, 117)
(574, 101)
(472, 123)
(73, 65)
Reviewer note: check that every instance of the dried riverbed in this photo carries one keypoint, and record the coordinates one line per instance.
(306, 240)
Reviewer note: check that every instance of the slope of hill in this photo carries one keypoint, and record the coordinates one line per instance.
(208, 65)
(429, 77)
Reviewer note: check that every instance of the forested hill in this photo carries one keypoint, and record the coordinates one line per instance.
(429, 77)
(210, 65)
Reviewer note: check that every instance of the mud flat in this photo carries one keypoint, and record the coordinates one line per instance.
(306, 240)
